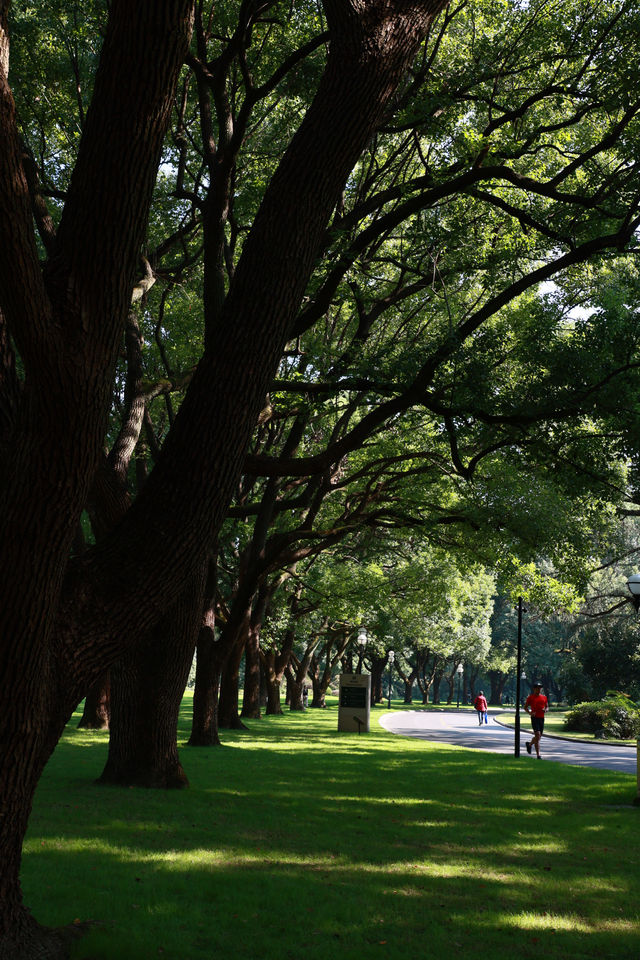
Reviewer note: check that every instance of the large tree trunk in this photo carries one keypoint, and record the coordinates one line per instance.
(408, 681)
(68, 620)
(296, 689)
(497, 679)
(450, 681)
(408, 691)
(204, 728)
(252, 671)
(148, 686)
(273, 681)
(228, 707)
(377, 671)
(251, 689)
(319, 687)
(21, 937)
(437, 681)
(210, 657)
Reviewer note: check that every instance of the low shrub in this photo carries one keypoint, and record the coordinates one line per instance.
(617, 716)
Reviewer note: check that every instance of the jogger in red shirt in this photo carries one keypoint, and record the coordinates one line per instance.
(536, 706)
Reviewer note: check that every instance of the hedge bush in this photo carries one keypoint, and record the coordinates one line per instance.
(617, 716)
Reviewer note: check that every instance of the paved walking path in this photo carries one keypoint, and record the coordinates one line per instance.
(462, 730)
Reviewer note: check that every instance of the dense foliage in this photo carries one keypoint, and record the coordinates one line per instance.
(616, 717)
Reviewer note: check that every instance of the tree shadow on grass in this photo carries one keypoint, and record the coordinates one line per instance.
(368, 846)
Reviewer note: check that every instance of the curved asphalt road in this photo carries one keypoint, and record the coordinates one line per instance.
(462, 730)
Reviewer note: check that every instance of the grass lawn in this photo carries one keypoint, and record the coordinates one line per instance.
(297, 842)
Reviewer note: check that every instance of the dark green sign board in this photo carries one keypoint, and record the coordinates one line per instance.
(353, 697)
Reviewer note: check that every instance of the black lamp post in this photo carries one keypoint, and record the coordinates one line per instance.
(459, 671)
(516, 749)
(392, 657)
(633, 583)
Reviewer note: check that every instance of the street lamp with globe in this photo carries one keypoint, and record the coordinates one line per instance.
(392, 657)
(362, 642)
(633, 583)
(459, 671)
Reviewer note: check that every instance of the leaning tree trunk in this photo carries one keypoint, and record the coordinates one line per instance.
(148, 686)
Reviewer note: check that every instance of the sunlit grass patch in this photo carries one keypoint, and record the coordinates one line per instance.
(294, 840)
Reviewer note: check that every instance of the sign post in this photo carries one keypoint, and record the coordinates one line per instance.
(354, 709)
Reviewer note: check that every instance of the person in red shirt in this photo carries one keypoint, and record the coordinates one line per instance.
(536, 706)
(480, 703)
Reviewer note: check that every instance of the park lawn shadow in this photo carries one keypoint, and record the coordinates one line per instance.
(294, 839)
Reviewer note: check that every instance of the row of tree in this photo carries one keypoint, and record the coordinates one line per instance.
(311, 314)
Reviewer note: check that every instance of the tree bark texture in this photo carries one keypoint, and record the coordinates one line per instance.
(273, 680)
(252, 672)
(497, 679)
(148, 686)
(209, 653)
(377, 671)
(435, 699)
(204, 728)
(251, 689)
(295, 692)
(228, 707)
